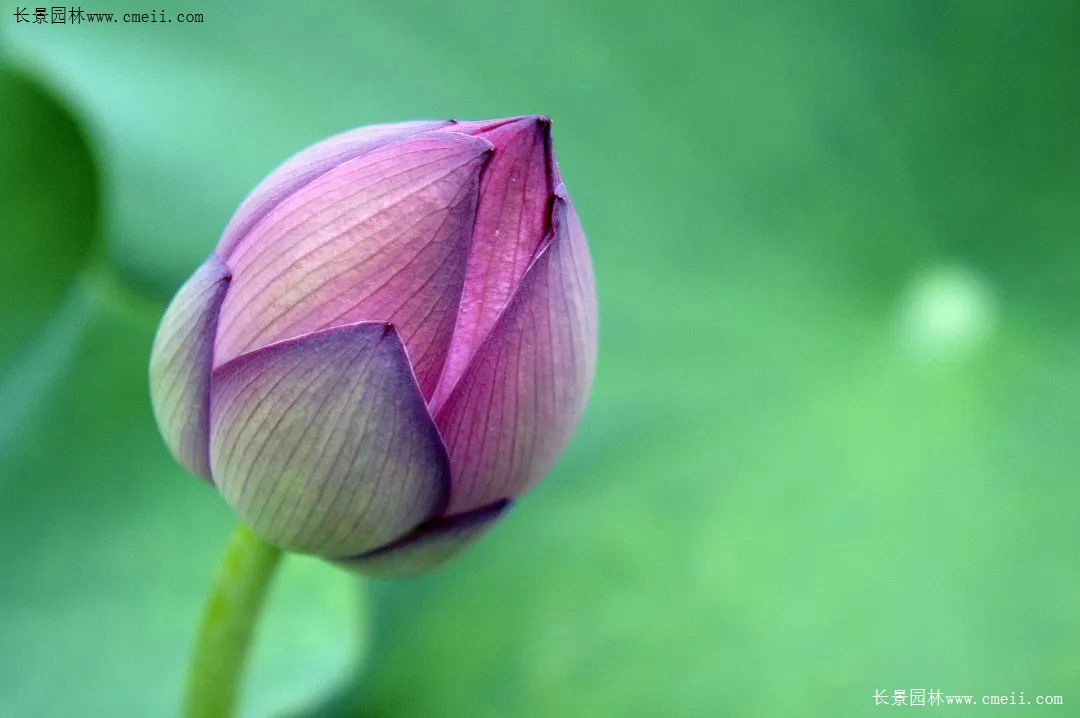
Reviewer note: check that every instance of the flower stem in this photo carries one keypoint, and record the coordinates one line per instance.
(228, 623)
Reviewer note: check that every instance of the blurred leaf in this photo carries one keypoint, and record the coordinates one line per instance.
(109, 548)
(311, 638)
(48, 201)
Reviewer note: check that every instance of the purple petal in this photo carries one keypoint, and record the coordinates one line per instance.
(323, 443)
(517, 404)
(512, 220)
(383, 237)
(429, 545)
(180, 365)
(305, 166)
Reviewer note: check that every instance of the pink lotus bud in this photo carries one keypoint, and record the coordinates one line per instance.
(394, 339)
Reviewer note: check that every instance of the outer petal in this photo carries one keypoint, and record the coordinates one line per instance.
(383, 237)
(323, 443)
(307, 165)
(518, 403)
(431, 544)
(180, 364)
(512, 219)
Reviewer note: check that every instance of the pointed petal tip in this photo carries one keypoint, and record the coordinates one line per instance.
(480, 127)
(541, 121)
(483, 145)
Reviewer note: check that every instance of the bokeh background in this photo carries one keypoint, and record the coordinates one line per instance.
(832, 446)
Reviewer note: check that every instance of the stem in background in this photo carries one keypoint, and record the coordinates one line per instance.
(228, 624)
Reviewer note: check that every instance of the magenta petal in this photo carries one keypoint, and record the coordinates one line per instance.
(512, 220)
(180, 364)
(431, 544)
(305, 166)
(323, 444)
(519, 401)
(383, 237)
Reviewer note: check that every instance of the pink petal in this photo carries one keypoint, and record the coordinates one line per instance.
(383, 237)
(429, 545)
(180, 364)
(512, 220)
(323, 443)
(305, 166)
(519, 401)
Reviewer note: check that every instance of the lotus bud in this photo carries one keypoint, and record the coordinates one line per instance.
(394, 339)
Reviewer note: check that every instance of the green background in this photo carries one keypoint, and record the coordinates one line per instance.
(832, 444)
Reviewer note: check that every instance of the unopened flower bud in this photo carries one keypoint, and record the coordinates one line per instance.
(394, 339)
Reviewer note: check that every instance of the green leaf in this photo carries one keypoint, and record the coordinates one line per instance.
(48, 202)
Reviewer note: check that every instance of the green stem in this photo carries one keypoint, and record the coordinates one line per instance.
(228, 623)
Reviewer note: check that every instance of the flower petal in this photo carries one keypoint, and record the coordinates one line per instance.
(517, 404)
(305, 166)
(180, 364)
(431, 544)
(323, 443)
(512, 219)
(383, 237)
